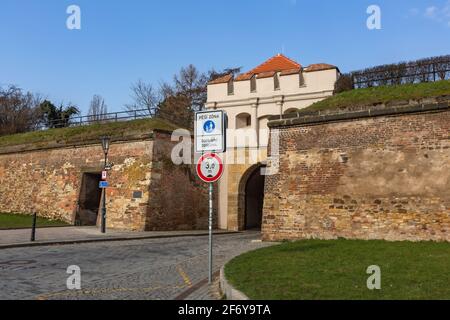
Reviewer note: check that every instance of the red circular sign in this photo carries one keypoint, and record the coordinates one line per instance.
(210, 167)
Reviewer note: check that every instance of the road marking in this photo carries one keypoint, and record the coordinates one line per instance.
(194, 288)
(185, 277)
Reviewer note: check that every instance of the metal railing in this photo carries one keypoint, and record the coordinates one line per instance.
(121, 116)
(97, 119)
(402, 74)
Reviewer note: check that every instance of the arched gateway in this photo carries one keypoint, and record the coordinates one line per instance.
(251, 198)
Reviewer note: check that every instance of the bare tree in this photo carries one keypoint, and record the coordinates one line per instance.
(19, 111)
(97, 109)
(166, 90)
(187, 94)
(144, 97)
(213, 74)
(177, 109)
(176, 101)
(192, 84)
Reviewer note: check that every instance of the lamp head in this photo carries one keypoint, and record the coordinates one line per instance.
(106, 141)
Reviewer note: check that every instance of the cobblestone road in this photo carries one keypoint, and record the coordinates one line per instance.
(144, 269)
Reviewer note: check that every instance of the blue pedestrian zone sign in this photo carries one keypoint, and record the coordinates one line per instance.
(103, 184)
(209, 126)
(210, 131)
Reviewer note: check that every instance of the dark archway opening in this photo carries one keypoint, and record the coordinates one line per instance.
(254, 200)
(89, 200)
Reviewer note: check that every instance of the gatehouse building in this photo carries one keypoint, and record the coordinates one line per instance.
(278, 86)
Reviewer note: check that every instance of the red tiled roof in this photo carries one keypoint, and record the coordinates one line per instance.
(223, 79)
(244, 76)
(268, 74)
(319, 67)
(289, 72)
(276, 63)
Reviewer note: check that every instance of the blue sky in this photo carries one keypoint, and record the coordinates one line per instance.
(122, 41)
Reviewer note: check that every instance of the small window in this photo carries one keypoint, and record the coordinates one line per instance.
(276, 82)
(253, 84)
(243, 120)
(230, 87)
(302, 79)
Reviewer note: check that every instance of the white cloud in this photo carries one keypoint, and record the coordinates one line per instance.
(430, 12)
(439, 14)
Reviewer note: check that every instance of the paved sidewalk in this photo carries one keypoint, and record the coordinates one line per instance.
(69, 235)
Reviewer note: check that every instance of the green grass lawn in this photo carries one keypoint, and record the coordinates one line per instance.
(370, 96)
(15, 221)
(315, 269)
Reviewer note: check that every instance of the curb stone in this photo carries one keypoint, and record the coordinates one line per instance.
(118, 239)
(228, 290)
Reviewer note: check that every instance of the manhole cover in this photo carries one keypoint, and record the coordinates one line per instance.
(17, 262)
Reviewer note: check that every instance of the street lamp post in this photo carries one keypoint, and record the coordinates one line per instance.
(105, 145)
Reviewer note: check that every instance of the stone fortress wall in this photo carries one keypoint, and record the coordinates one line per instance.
(147, 191)
(377, 173)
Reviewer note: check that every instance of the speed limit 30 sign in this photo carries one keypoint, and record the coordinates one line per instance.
(210, 168)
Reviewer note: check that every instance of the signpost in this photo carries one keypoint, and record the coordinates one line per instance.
(210, 137)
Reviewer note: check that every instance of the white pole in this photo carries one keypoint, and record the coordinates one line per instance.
(210, 232)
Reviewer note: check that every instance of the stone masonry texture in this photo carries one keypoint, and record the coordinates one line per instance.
(179, 199)
(384, 177)
(48, 181)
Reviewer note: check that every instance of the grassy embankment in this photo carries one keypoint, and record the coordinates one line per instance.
(83, 133)
(370, 96)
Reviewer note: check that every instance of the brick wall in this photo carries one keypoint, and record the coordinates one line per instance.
(384, 177)
(48, 181)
